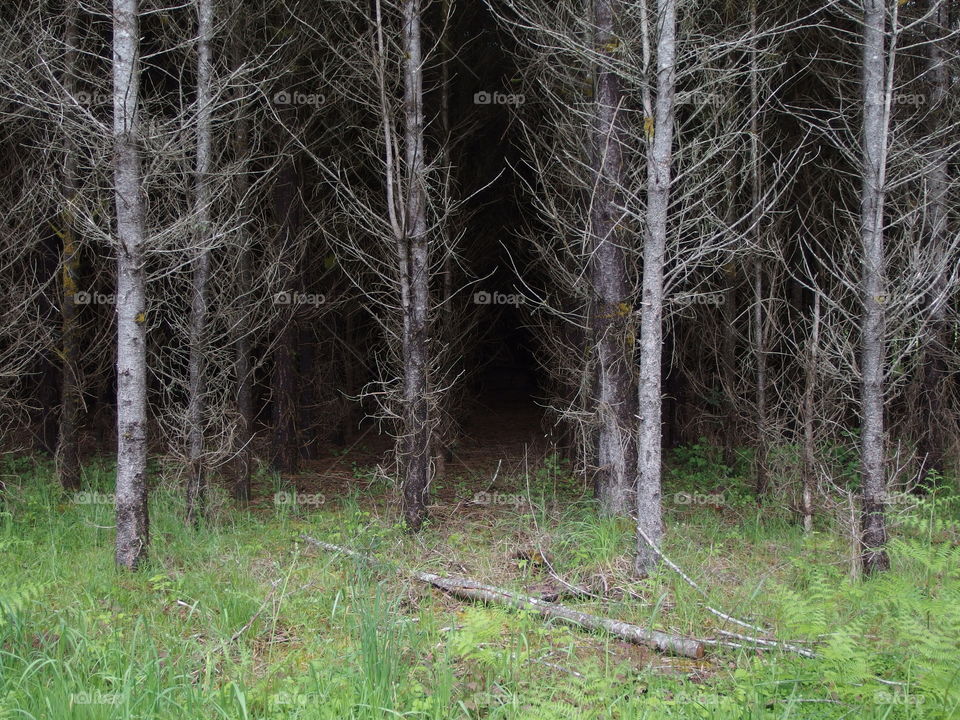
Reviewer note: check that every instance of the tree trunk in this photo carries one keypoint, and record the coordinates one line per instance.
(761, 480)
(874, 288)
(196, 472)
(131, 489)
(285, 454)
(612, 308)
(809, 434)
(659, 158)
(243, 346)
(415, 258)
(68, 451)
(728, 364)
(933, 439)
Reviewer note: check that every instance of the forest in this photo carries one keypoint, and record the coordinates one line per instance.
(480, 359)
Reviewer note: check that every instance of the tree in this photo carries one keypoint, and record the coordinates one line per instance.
(131, 489)
(876, 104)
(611, 287)
(659, 155)
(934, 437)
(196, 472)
(68, 452)
(414, 249)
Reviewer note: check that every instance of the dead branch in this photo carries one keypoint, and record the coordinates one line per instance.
(470, 590)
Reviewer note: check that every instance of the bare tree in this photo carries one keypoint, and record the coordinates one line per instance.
(131, 490)
(934, 436)
(611, 308)
(876, 110)
(659, 157)
(68, 451)
(196, 473)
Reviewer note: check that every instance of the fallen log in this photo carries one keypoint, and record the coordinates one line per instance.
(470, 590)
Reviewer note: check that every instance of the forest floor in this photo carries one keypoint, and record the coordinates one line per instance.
(243, 619)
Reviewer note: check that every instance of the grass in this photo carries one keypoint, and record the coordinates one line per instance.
(240, 620)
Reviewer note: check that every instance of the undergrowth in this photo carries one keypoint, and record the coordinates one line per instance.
(240, 620)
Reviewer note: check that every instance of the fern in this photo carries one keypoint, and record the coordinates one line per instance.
(13, 602)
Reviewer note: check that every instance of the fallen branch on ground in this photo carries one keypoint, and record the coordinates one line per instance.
(471, 590)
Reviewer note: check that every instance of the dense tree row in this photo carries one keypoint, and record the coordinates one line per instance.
(234, 229)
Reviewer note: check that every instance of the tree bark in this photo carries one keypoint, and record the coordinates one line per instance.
(68, 451)
(728, 365)
(415, 268)
(131, 490)
(874, 287)
(612, 307)
(933, 440)
(285, 454)
(243, 345)
(196, 495)
(659, 158)
(761, 479)
(809, 433)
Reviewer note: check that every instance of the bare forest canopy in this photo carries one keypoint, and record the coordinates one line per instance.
(243, 231)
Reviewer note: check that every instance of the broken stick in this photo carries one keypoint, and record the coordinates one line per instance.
(471, 590)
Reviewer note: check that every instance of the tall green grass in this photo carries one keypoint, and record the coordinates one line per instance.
(236, 620)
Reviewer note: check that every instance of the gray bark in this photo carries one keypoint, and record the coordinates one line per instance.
(659, 158)
(759, 321)
(415, 270)
(874, 288)
(612, 309)
(809, 433)
(68, 452)
(933, 439)
(243, 347)
(131, 489)
(196, 473)
(761, 480)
